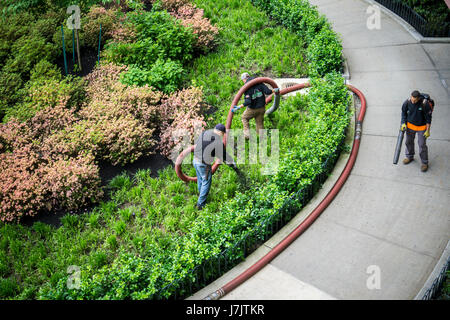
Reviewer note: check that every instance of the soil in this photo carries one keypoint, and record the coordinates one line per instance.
(89, 59)
(154, 162)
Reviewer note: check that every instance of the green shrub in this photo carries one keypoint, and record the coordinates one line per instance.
(46, 92)
(45, 70)
(10, 91)
(324, 50)
(13, 27)
(47, 23)
(325, 53)
(17, 6)
(175, 41)
(90, 25)
(163, 75)
(4, 268)
(26, 52)
(159, 35)
(4, 51)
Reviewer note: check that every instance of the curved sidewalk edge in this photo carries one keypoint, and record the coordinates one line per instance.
(436, 276)
(305, 291)
(413, 32)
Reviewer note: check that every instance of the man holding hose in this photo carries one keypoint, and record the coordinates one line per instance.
(209, 145)
(255, 101)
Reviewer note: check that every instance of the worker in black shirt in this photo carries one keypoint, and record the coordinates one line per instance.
(416, 118)
(255, 101)
(209, 145)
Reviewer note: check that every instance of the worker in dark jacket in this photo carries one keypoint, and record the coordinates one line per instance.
(416, 118)
(209, 145)
(255, 101)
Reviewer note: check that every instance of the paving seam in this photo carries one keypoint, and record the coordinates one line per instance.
(395, 136)
(406, 183)
(379, 238)
(443, 82)
(383, 46)
(391, 71)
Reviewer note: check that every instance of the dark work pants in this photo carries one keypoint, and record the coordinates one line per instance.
(423, 149)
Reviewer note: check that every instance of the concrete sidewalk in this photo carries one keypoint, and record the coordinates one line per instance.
(389, 218)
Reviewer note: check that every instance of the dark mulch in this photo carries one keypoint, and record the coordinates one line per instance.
(154, 162)
(89, 59)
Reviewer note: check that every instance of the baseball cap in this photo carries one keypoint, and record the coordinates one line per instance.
(244, 76)
(220, 127)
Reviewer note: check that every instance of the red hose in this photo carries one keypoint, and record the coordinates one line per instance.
(238, 96)
(310, 219)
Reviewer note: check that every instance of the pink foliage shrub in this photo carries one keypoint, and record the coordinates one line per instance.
(119, 119)
(15, 134)
(193, 17)
(106, 89)
(90, 25)
(29, 183)
(113, 26)
(181, 114)
(124, 33)
(173, 5)
(49, 161)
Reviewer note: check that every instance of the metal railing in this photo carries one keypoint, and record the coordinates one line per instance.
(419, 23)
(437, 284)
(216, 266)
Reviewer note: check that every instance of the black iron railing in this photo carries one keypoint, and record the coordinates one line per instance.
(437, 284)
(419, 23)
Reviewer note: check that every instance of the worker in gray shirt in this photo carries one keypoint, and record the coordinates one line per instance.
(209, 145)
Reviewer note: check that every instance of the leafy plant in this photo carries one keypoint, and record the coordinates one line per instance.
(163, 75)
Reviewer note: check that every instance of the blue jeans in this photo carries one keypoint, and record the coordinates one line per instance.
(204, 178)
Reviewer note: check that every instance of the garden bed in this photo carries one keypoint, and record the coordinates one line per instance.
(148, 238)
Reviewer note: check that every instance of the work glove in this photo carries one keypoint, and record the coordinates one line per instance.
(427, 134)
(234, 109)
(403, 127)
(276, 90)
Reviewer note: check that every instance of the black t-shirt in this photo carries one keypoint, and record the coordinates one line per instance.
(210, 145)
(254, 96)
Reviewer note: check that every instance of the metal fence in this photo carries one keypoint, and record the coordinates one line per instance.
(216, 266)
(437, 284)
(419, 23)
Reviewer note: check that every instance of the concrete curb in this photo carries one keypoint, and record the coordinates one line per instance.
(413, 32)
(440, 265)
(295, 221)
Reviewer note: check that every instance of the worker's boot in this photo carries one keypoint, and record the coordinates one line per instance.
(424, 168)
(407, 160)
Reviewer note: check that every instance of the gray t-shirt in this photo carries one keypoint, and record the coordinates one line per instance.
(210, 145)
